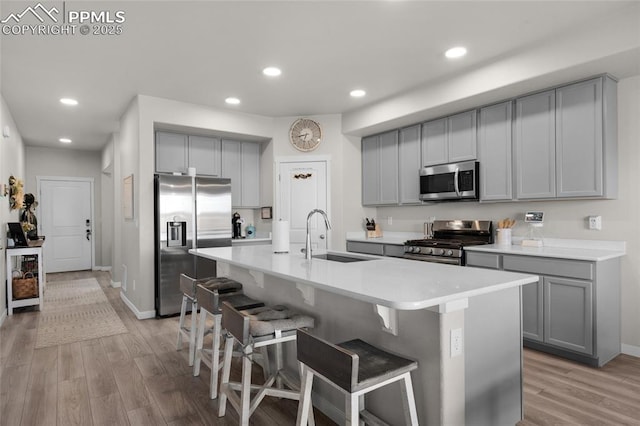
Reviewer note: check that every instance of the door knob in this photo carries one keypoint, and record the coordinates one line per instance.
(322, 236)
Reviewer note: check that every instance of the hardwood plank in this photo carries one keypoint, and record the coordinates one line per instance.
(21, 351)
(115, 349)
(13, 388)
(146, 416)
(73, 403)
(136, 344)
(98, 372)
(131, 385)
(176, 363)
(108, 410)
(41, 404)
(70, 363)
(150, 365)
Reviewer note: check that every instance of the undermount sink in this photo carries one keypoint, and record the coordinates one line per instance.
(340, 258)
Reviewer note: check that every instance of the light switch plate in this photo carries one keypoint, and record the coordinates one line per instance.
(456, 342)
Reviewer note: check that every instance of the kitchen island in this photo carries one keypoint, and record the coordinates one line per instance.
(410, 308)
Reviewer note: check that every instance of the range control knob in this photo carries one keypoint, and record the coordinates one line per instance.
(416, 249)
(408, 249)
(449, 253)
(438, 252)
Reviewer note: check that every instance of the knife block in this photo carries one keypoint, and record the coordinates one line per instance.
(376, 233)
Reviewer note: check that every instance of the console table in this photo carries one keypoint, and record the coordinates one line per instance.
(15, 258)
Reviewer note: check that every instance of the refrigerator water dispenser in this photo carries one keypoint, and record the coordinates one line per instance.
(176, 234)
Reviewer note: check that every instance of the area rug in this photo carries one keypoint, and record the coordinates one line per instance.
(74, 311)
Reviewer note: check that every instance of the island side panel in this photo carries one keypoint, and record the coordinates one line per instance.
(493, 363)
(340, 318)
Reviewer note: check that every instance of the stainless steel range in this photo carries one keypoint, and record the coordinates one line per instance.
(448, 241)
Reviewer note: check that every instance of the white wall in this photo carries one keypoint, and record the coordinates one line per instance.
(107, 202)
(11, 164)
(567, 219)
(345, 209)
(64, 162)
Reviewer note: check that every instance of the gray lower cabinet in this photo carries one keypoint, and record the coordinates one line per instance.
(533, 311)
(568, 313)
(380, 169)
(379, 249)
(494, 152)
(176, 152)
(574, 309)
(241, 164)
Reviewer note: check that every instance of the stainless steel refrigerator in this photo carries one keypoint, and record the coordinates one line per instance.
(190, 212)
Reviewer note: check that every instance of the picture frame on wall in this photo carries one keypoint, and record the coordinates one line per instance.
(266, 212)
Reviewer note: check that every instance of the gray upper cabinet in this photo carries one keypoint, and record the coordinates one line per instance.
(250, 174)
(409, 165)
(565, 142)
(204, 155)
(380, 169)
(462, 132)
(494, 152)
(450, 139)
(586, 139)
(434, 142)
(176, 152)
(171, 152)
(535, 148)
(241, 164)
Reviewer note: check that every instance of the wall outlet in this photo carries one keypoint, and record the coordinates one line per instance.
(595, 223)
(134, 285)
(456, 342)
(389, 220)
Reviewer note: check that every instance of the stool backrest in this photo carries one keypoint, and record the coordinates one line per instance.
(235, 323)
(338, 365)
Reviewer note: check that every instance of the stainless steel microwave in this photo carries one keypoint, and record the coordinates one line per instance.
(454, 181)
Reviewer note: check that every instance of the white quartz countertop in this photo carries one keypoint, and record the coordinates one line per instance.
(589, 250)
(391, 282)
(266, 240)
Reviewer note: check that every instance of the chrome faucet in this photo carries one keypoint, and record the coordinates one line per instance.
(307, 247)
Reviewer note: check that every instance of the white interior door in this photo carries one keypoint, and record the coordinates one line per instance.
(302, 188)
(66, 222)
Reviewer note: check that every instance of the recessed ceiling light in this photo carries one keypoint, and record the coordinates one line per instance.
(272, 71)
(232, 101)
(69, 101)
(65, 140)
(456, 52)
(358, 93)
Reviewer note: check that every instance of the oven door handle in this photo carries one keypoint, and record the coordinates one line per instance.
(455, 181)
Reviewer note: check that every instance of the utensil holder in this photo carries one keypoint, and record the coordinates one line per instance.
(376, 233)
(504, 236)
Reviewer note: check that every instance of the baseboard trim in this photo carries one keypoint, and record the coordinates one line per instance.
(116, 284)
(3, 317)
(137, 313)
(102, 268)
(631, 350)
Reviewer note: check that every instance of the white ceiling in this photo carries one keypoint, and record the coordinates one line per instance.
(202, 52)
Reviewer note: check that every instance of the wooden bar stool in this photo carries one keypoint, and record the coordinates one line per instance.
(188, 288)
(356, 368)
(209, 295)
(255, 329)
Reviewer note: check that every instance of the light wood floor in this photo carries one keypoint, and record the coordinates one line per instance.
(138, 378)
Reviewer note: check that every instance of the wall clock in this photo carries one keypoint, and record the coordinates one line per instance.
(305, 134)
